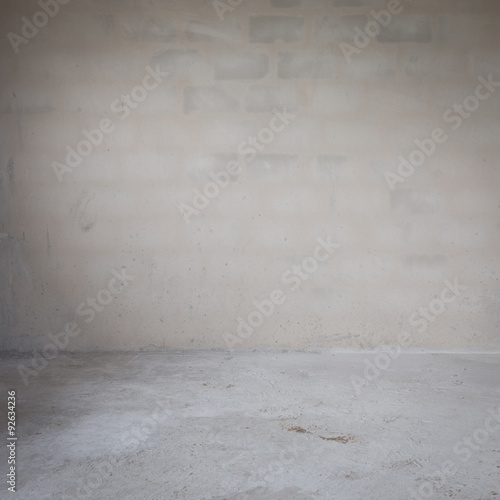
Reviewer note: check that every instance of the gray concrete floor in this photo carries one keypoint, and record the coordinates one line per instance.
(256, 425)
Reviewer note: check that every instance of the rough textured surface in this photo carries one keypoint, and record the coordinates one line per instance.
(253, 425)
(189, 92)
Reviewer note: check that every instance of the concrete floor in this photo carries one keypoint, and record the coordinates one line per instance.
(256, 425)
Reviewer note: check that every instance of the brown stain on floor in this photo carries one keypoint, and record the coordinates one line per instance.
(299, 429)
(339, 439)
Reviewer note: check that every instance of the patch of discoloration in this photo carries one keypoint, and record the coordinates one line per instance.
(10, 170)
(5, 195)
(298, 429)
(85, 213)
(48, 242)
(339, 439)
(18, 122)
(11, 266)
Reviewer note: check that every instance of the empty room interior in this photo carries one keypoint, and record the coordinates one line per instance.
(249, 249)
